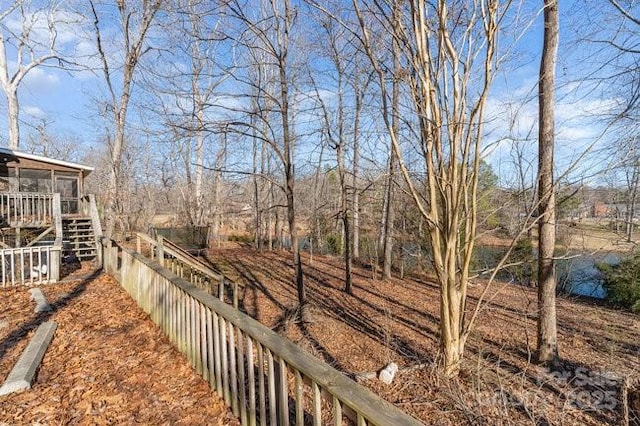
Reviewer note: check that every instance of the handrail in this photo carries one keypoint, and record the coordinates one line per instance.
(183, 264)
(261, 375)
(29, 265)
(176, 251)
(57, 218)
(185, 254)
(26, 208)
(91, 209)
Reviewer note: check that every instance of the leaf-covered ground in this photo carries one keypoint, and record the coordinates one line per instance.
(107, 363)
(397, 320)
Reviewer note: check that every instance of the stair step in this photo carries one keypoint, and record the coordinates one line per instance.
(85, 249)
(79, 237)
(88, 254)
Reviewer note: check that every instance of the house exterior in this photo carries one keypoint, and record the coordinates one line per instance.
(46, 217)
(21, 172)
(600, 209)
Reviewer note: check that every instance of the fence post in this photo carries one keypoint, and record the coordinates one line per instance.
(54, 263)
(108, 257)
(235, 294)
(160, 250)
(57, 218)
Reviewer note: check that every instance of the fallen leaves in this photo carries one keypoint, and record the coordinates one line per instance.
(107, 364)
(397, 320)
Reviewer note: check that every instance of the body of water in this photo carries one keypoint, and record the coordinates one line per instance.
(576, 275)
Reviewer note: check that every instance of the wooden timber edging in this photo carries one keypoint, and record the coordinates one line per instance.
(223, 343)
(24, 371)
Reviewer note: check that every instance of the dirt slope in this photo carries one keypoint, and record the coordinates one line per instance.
(398, 321)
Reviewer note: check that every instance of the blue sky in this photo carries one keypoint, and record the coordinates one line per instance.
(66, 99)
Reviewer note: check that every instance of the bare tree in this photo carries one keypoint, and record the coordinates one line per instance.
(335, 130)
(23, 25)
(388, 214)
(359, 85)
(449, 60)
(184, 82)
(270, 33)
(547, 327)
(134, 24)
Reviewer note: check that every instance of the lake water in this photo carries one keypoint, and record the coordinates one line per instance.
(576, 275)
(580, 275)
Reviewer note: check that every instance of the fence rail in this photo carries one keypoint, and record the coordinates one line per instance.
(26, 208)
(264, 378)
(30, 265)
(188, 267)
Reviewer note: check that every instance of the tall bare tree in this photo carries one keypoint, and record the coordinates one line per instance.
(547, 326)
(134, 23)
(335, 131)
(449, 61)
(23, 25)
(270, 32)
(389, 208)
(184, 81)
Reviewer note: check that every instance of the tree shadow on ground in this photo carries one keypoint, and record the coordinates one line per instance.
(410, 330)
(15, 336)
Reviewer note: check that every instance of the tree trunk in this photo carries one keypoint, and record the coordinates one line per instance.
(113, 190)
(547, 332)
(13, 111)
(11, 92)
(345, 216)
(199, 166)
(288, 153)
(387, 229)
(256, 199)
(631, 200)
(395, 104)
(217, 219)
(355, 209)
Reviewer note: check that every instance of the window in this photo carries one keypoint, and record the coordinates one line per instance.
(8, 179)
(67, 186)
(32, 180)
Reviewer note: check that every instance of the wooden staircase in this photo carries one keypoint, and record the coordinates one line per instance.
(79, 236)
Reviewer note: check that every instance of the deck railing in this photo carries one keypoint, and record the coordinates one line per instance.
(89, 207)
(30, 265)
(26, 208)
(263, 377)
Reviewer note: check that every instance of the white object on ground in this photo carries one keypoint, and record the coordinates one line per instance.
(388, 373)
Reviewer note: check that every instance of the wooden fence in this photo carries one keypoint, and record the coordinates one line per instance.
(26, 208)
(30, 265)
(263, 377)
(188, 267)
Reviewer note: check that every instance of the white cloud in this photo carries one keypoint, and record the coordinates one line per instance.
(579, 124)
(33, 111)
(40, 79)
